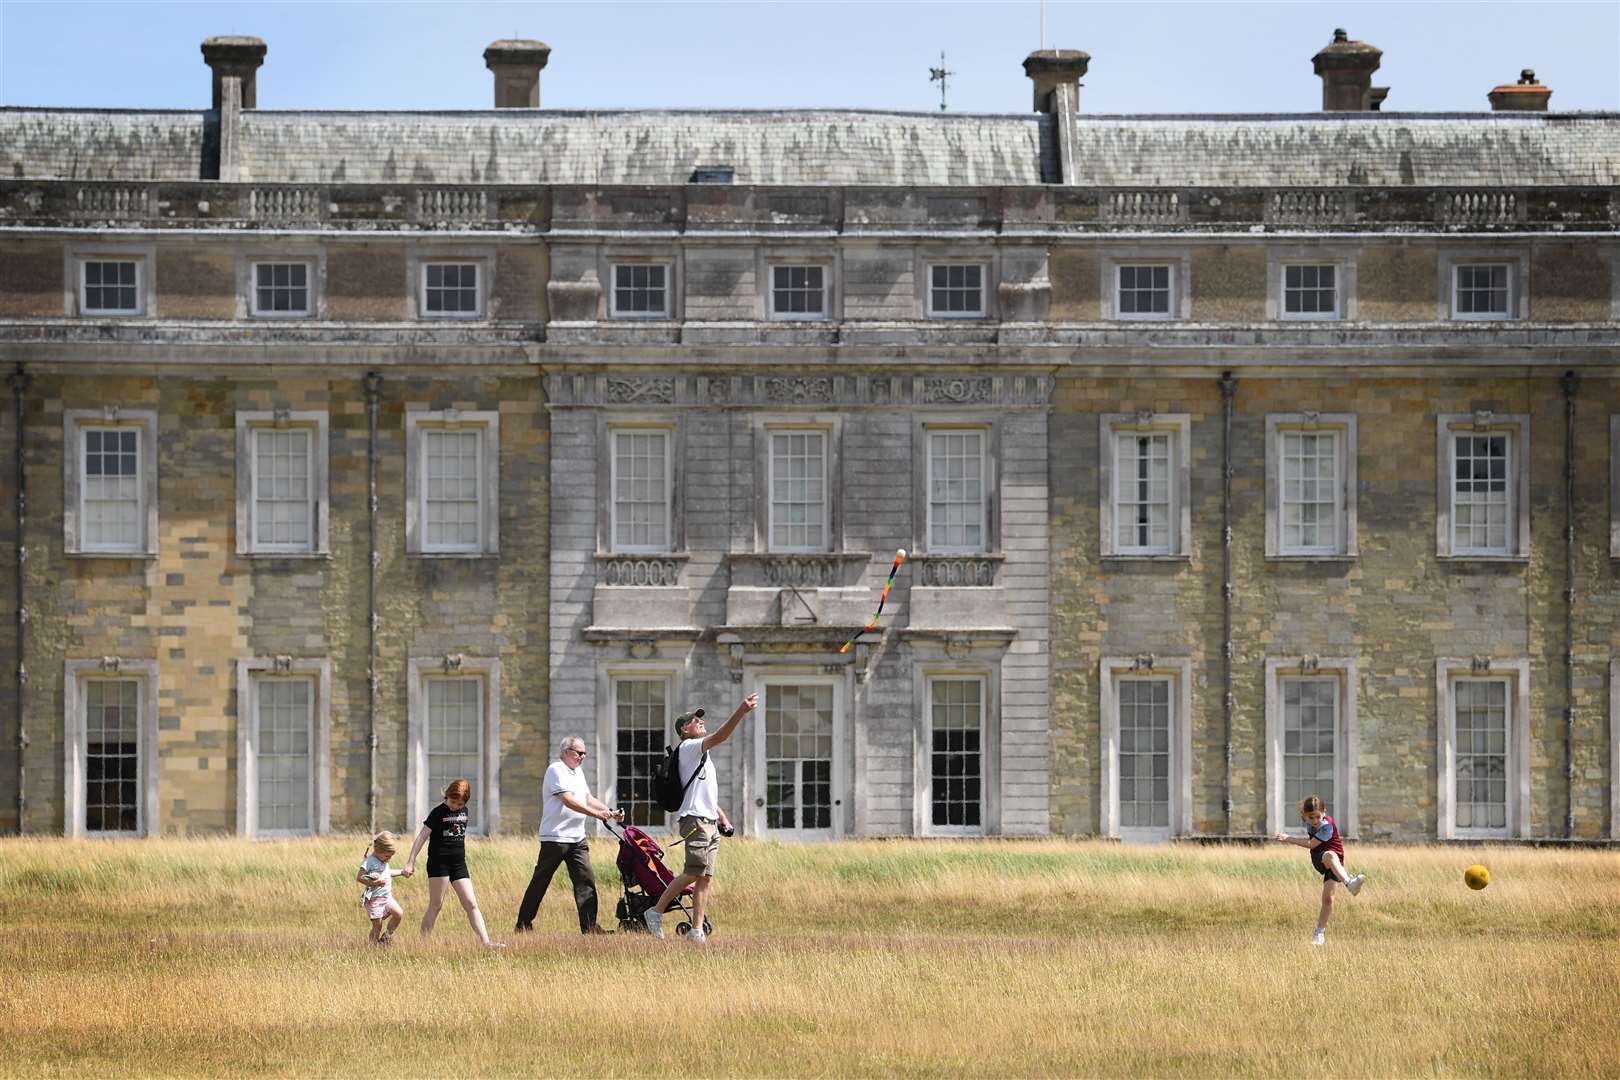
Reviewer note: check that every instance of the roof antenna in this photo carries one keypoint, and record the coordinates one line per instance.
(939, 75)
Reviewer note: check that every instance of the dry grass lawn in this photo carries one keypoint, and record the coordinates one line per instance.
(220, 957)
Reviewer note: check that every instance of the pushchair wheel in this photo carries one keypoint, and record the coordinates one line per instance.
(683, 929)
(708, 927)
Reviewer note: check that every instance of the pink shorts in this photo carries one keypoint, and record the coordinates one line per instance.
(378, 907)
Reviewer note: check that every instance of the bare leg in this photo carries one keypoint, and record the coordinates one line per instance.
(436, 887)
(469, 904)
(700, 900)
(376, 930)
(674, 889)
(1327, 905)
(396, 915)
(1331, 861)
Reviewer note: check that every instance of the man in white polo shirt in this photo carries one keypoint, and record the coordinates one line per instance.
(568, 802)
(700, 815)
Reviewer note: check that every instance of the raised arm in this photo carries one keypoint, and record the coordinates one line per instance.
(747, 706)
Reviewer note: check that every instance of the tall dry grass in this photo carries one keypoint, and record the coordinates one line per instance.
(220, 957)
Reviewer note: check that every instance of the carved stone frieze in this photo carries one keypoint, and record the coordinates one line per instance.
(957, 390)
(772, 391)
(645, 570)
(956, 572)
(799, 391)
(802, 571)
(621, 390)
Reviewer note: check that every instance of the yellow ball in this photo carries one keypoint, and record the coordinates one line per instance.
(1477, 877)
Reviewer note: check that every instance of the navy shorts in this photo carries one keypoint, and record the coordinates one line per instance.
(1319, 863)
(455, 871)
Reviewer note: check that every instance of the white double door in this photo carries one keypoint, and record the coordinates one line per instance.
(798, 781)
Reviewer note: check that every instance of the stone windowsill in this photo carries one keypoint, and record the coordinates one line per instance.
(111, 554)
(1522, 559)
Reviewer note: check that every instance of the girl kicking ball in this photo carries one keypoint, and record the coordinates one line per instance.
(445, 833)
(378, 899)
(1327, 857)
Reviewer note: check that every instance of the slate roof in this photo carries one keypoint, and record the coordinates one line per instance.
(812, 147)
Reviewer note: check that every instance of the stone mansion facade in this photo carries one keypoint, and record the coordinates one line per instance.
(1237, 457)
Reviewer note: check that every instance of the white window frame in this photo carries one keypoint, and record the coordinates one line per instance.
(986, 486)
(984, 266)
(1448, 670)
(76, 742)
(140, 264)
(668, 434)
(606, 736)
(480, 288)
(417, 421)
(828, 437)
(1333, 315)
(758, 680)
(74, 421)
(310, 282)
(1343, 260)
(1179, 427)
(1172, 306)
(247, 424)
(988, 741)
(318, 672)
(1511, 291)
(1343, 425)
(1516, 426)
(613, 289)
(1179, 670)
(487, 792)
(798, 316)
(1346, 739)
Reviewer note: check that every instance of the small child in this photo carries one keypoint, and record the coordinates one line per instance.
(377, 876)
(1327, 857)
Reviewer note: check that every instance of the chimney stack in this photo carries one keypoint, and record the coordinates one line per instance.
(1346, 68)
(238, 59)
(516, 64)
(1527, 95)
(1056, 73)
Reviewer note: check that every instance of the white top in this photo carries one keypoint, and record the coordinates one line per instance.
(703, 797)
(558, 823)
(375, 867)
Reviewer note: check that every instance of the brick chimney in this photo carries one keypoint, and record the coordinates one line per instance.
(1527, 95)
(1346, 68)
(235, 63)
(1053, 70)
(516, 63)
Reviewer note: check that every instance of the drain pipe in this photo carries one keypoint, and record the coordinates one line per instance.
(1228, 389)
(373, 393)
(1572, 384)
(19, 389)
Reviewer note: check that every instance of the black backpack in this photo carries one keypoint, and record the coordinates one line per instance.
(668, 791)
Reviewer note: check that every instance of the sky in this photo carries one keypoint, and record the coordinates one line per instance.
(1146, 57)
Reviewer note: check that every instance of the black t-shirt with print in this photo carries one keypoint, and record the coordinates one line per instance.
(447, 840)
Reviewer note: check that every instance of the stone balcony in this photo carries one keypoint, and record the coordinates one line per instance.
(957, 594)
(799, 591)
(641, 596)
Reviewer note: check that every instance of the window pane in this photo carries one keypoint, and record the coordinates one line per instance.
(455, 733)
(1142, 487)
(957, 290)
(798, 757)
(452, 489)
(1144, 725)
(641, 714)
(641, 501)
(956, 495)
(112, 755)
(283, 489)
(957, 764)
(798, 491)
(1480, 716)
(111, 490)
(285, 719)
(1144, 290)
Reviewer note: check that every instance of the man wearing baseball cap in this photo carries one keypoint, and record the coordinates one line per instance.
(699, 815)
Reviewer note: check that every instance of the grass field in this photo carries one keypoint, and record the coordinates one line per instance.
(990, 959)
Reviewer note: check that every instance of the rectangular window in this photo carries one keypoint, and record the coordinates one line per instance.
(1310, 291)
(283, 489)
(281, 289)
(641, 491)
(1310, 492)
(641, 290)
(1145, 709)
(956, 491)
(798, 491)
(1144, 292)
(286, 719)
(112, 756)
(798, 292)
(956, 291)
(1480, 754)
(1480, 291)
(1144, 501)
(798, 758)
(450, 289)
(956, 755)
(111, 287)
(452, 489)
(1310, 734)
(111, 490)
(455, 729)
(641, 728)
(1483, 504)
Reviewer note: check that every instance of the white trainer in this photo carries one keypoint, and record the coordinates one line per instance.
(1354, 884)
(696, 934)
(1319, 938)
(655, 922)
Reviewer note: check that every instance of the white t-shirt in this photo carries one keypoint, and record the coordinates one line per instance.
(703, 797)
(375, 867)
(558, 823)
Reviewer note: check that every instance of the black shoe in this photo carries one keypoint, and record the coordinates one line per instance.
(595, 930)
(521, 929)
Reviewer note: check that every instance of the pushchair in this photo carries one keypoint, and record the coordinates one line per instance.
(645, 878)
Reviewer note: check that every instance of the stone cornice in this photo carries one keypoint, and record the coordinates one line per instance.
(756, 390)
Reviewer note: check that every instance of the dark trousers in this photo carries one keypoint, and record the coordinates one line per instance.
(578, 858)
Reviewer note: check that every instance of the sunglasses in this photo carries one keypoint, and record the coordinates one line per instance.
(571, 750)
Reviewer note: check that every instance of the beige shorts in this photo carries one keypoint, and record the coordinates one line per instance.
(702, 845)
